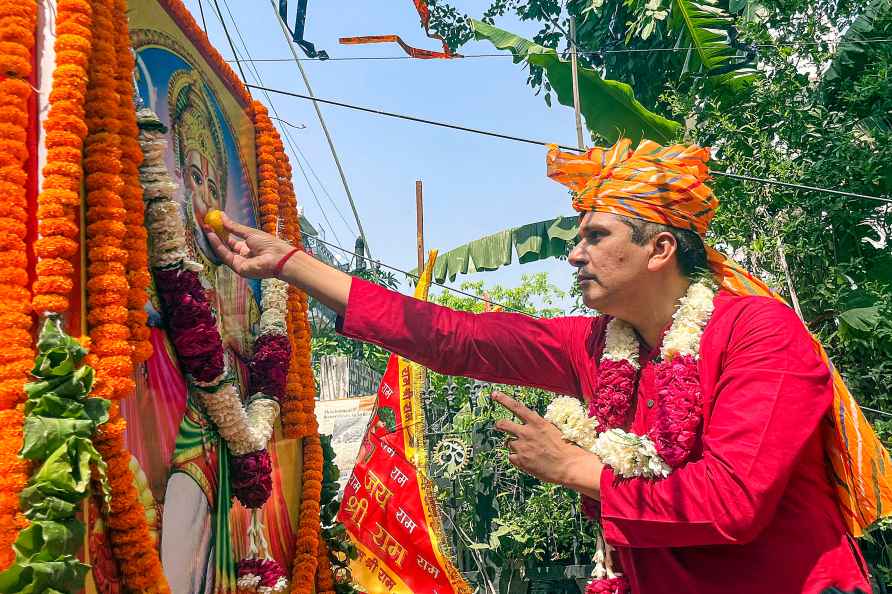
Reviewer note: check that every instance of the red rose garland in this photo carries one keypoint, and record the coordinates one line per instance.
(671, 438)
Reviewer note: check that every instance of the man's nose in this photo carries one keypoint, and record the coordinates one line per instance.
(576, 257)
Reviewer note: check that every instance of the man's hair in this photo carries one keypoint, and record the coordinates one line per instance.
(691, 252)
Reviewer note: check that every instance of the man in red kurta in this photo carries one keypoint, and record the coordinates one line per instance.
(752, 510)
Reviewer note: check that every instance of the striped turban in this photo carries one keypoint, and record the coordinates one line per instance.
(666, 185)
(652, 183)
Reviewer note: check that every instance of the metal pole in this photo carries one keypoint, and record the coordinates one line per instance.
(579, 138)
(331, 146)
(419, 224)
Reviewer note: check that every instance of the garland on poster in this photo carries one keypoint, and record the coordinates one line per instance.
(91, 138)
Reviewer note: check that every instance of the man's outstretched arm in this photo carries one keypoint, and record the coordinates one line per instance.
(497, 347)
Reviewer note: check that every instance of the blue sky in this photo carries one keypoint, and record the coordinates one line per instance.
(473, 185)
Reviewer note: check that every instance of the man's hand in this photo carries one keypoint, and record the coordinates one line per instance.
(249, 252)
(538, 448)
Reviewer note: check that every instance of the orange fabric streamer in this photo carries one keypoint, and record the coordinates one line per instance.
(414, 52)
(666, 185)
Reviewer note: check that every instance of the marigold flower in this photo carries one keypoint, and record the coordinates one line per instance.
(50, 302)
(55, 247)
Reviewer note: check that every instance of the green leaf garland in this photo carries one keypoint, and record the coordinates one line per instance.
(60, 418)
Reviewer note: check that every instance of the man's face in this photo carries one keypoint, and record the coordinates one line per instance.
(611, 267)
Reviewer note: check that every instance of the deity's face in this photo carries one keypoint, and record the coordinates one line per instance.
(611, 268)
(202, 181)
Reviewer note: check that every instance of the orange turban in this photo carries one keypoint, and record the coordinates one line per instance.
(666, 185)
(653, 183)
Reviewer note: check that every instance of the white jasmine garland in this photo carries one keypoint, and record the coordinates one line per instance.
(568, 415)
(693, 312)
(620, 343)
(280, 586)
(245, 430)
(248, 581)
(273, 304)
(632, 455)
(167, 245)
(262, 414)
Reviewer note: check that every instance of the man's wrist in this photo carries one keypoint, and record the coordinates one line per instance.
(280, 265)
(582, 473)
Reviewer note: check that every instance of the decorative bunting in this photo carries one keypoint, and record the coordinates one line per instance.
(413, 52)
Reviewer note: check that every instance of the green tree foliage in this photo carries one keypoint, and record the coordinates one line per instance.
(507, 522)
(326, 341)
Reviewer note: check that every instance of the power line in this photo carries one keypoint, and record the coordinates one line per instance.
(415, 276)
(286, 32)
(879, 412)
(286, 122)
(322, 187)
(543, 143)
(204, 25)
(581, 53)
(272, 105)
(229, 39)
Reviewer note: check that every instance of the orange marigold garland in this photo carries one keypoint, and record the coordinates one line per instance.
(298, 407)
(132, 544)
(107, 287)
(136, 239)
(325, 579)
(117, 279)
(298, 419)
(18, 21)
(58, 204)
(267, 170)
(306, 554)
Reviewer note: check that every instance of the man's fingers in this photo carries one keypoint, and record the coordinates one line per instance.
(218, 245)
(233, 241)
(520, 411)
(230, 258)
(237, 228)
(506, 426)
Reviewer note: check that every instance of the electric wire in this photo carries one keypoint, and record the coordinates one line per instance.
(204, 25)
(582, 53)
(543, 143)
(229, 39)
(415, 276)
(256, 73)
(289, 39)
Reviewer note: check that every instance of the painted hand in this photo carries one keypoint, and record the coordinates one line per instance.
(537, 447)
(249, 252)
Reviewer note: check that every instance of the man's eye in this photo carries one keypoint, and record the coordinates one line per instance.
(196, 177)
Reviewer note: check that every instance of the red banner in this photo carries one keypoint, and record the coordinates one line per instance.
(389, 508)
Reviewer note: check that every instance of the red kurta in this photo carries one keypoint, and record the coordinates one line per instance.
(752, 512)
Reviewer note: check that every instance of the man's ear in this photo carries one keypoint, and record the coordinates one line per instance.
(664, 247)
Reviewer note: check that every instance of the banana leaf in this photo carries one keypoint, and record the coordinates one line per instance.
(854, 47)
(608, 106)
(706, 29)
